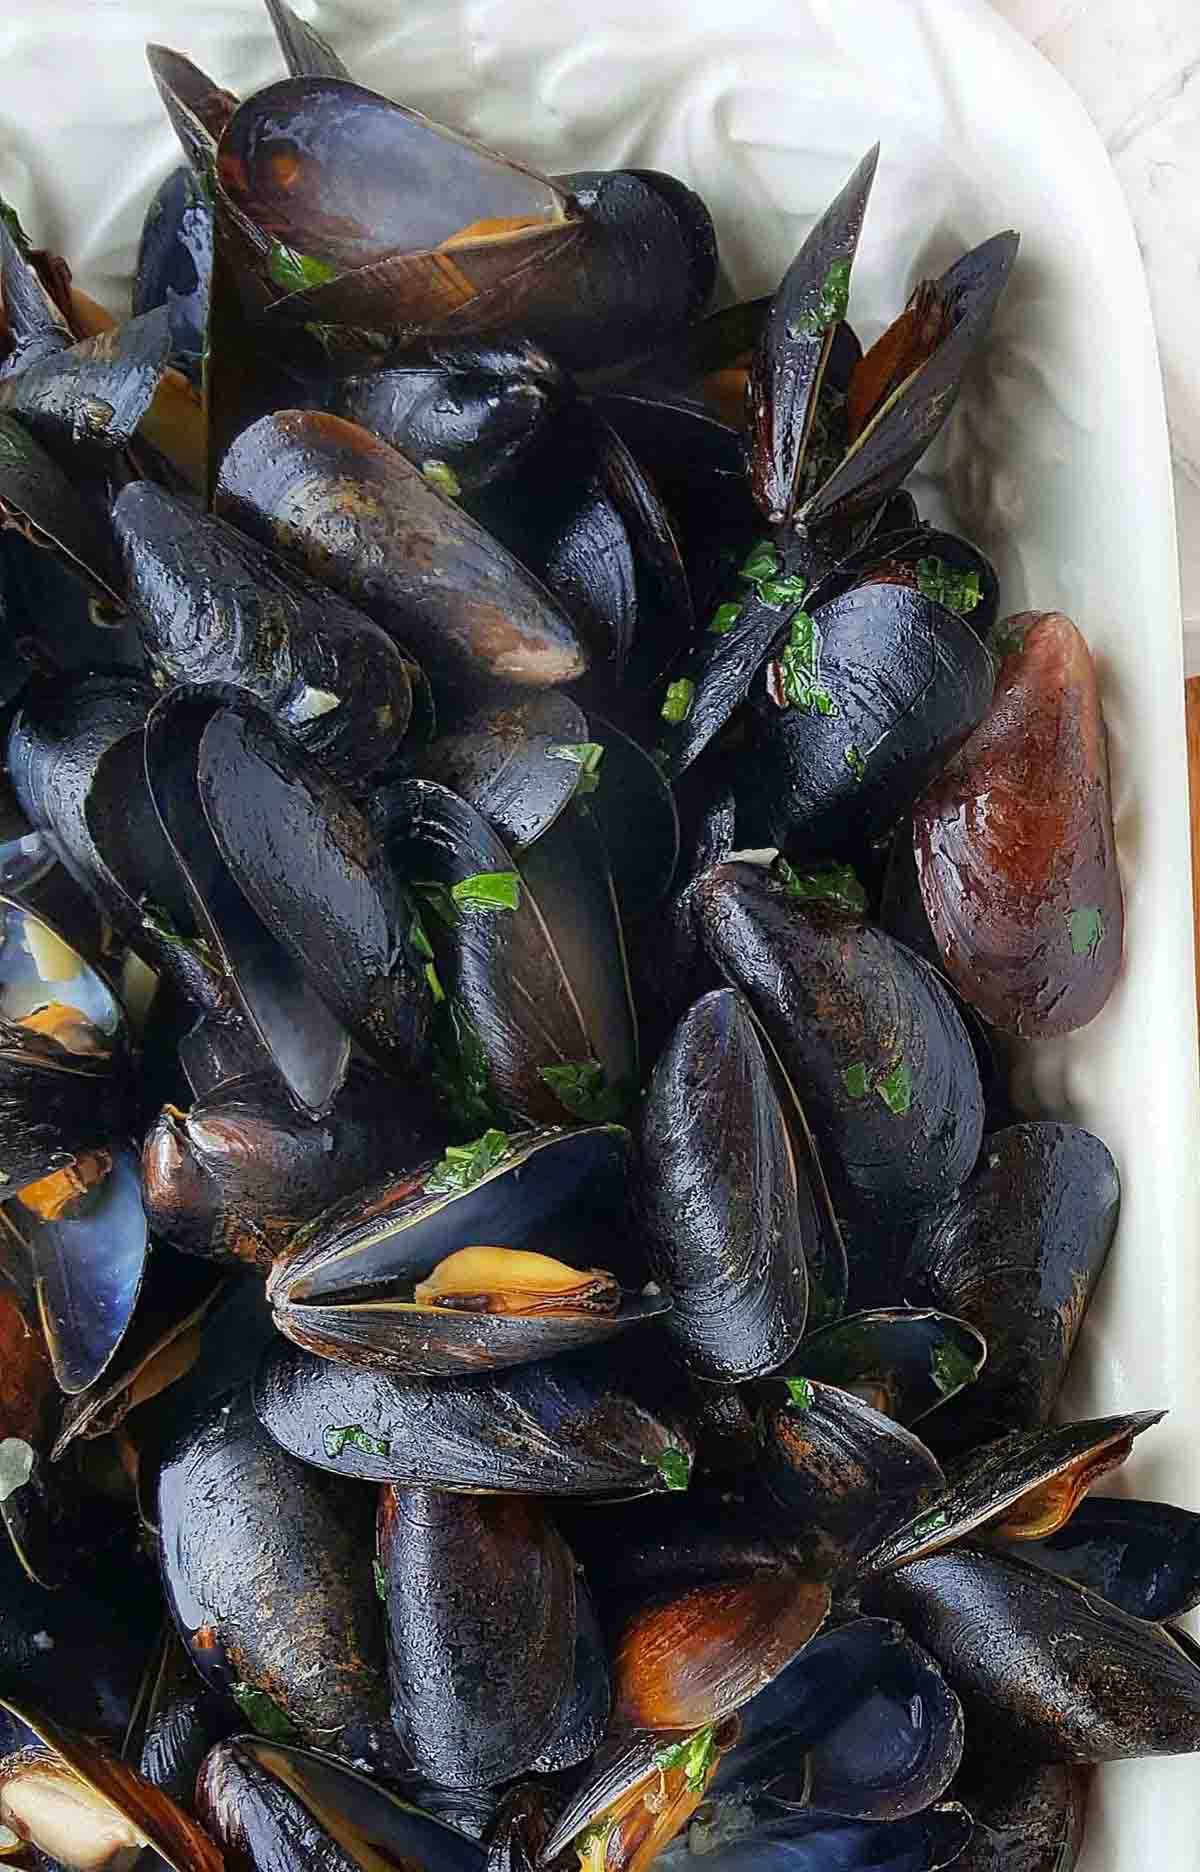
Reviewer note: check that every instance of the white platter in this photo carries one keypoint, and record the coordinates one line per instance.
(1056, 459)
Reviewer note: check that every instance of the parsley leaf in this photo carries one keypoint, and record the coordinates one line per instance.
(836, 884)
(264, 1714)
(951, 1368)
(724, 618)
(855, 761)
(441, 475)
(761, 562)
(463, 1165)
(459, 1066)
(854, 1078)
(831, 304)
(696, 1755)
(339, 1437)
(380, 1578)
(294, 271)
(678, 704)
(949, 585)
(800, 1393)
(1087, 931)
(582, 1089)
(895, 1088)
(673, 1465)
(797, 673)
(483, 890)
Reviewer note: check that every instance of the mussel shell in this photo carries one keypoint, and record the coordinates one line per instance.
(585, 1709)
(1060, 1674)
(726, 1206)
(512, 762)
(903, 1360)
(1142, 1556)
(179, 1721)
(344, 1287)
(265, 1802)
(565, 1426)
(1020, 883)
(267, 1572)
(36, 327)
(308, 862)
(222, 1045)
(473, 409)
(305, 53)
(85, 404)
(903, 539)
(823, 1843)
(36, 496)
(198, 108)
(1028, 1817)
(1042, 1207)
(721, 669)
(848, 1010)
(329, 678)
(908, 680)
(1018, 1487)
(33, 1507)
(517, 1835)
(174, 263)
(479, 1597)
(794, 347)
(404, 553)
(235, 1177)
(635, 813)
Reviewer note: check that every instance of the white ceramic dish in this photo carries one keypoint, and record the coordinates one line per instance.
(1057, 458)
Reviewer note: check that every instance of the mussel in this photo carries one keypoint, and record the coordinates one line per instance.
(1141, 1556)
(903, 1361)
(174, 264)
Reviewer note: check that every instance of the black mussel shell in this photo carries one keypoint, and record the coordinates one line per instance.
(862, 1723)
(466, 414)
(329, 679)
(945, 566)
(197, 107)
(1017, 1253)
(272, 1807)
(402, 551)
(794, 347)
(1029, 1817)
(32, 1509)
(235, 1177)
(179, 1721)
(1055, 1672)
(85, 404)
(892, 684)
(345, 1288)
(867, 1034)
(727, 1206)
(306, 54)
(479, 1599)
(37, 498)
(174, 264)
(904, 1361)
(267, 1567)
(37, 329)
(222, 1045)
(1020, 883)
(820, 1842)
(584, 1713)
(1142, 1556)
(635, 813)
(674, 1541)
(566, 1426)
(516, 762)
(517, 1834)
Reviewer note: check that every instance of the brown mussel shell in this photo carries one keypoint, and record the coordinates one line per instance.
(1029, 1817)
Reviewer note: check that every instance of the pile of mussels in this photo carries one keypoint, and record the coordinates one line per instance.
(436, 1431)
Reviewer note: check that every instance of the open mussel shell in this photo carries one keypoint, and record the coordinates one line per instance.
(266, 1802)
(1017, 1253)
(674, 1541)
(901, 409)
(1142, 1556)
(541, 980)
(794, 346)
(86, 1232)
(174, 264)
(726, 1206)
(866, 1032)
(235, 1177)
(516, 762)
(479, 1599)
(403, 552)
(564, 1426)
(1055, 1671)
(37, 329)
(840, 1470)
(85, 404)
(346, 1288)
(307, 1043)
(32, 1506)
(37, 498)
(63, 1052)
(899, 682)
(88, 1810)
(197, 106)
(275, 1585)
(635, 812)
(465, 413)
(305, 53)
(1021, 885)
(517, 1833)
(693, 1658)
(1029, 1817)
(862, 1723)
(329, 679)
(1022, 1487)
(734, 1842)
(904, 1361)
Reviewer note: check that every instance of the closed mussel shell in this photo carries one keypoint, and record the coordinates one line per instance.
(235, 1177)
(904, 1361)
(893, 684)
(1029, 1817)
(401, 551)
(36, 495)
(305, 53)
(1142, 1556)
(585, 1709)
(726, 1207)
(272, 1807)
(1055, 1671)
(479, 1598)
(564, 1426)
(1017, 1253)
(329, 678)
(179, 1720)
(814, 1842)
(85, 403)
(348, 1286)
(867, 1034)
(198, 107)
(282, 1579)
(174, 264)
(635, 812)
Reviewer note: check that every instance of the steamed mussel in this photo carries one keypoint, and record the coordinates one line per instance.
(530, 1327)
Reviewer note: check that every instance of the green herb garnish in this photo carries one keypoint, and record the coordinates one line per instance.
(435, 983)
(161, 923)
(678, 704)
(586, 755)
(836, 884)
(463, 1165)
(339, 1437)
(895, 1088)
(761, 562)
(928, 1524)
(673, 1465)
(830, 306)
(799, 668)
(598, 1834)
(483, 890)
(951, 1368)
(1087, 931)
(264, 1714)
(949, 585)
(459, 1066)
(1007, 637)
(419, 940)
(441, 475)
(724, 618)
(800, 1393)
(696, 1755)
(855, 762)
(582, 1089)
(854, 1078)
(294, 271)
(782, 591)
(380, 1578)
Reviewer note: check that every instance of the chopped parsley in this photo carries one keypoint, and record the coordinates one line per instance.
(831, 304)
(696, 1755)
(582, 1089)
(761, 562)
(483, 890)
(800, 1393)
(264, 1714)
(294, 271)
(1087, 931)
(795, 678)
(441, 475)
(951, 1368)
(339, 1437)
(855, 762)
(836, 884)
(854, 1078)
(894, 1086)
(949, 585)
(724, 618)
(1007, 637)
(928, 1524)
(673, 1465)
(380, 1578)
(459, 1066)
(678, 704)
(463, 1165)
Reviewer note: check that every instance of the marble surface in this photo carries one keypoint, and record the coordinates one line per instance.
(1137, 69)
